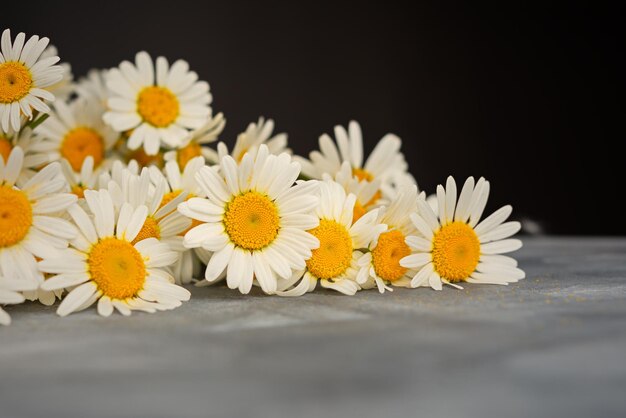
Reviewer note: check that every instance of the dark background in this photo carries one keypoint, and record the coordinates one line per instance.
(527, 97)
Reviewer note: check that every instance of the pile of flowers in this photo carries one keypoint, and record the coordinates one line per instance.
(111, 194)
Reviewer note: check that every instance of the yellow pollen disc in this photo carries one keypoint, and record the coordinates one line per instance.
(456, 251)
(16, 216)
(150, 229)
(145, 160)
(5, 148)
(79, 190)
(362, 174)
(188, 152)
(387, 254)
(15, 81)
(117, 268)
(334, 254)
(158, 106)
(80, 143)
(251, 220)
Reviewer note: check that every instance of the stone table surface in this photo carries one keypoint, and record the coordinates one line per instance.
(552, 345)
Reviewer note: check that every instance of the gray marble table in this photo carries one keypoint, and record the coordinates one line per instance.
(553, 345)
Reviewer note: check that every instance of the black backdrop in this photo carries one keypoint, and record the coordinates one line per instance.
(527, 97)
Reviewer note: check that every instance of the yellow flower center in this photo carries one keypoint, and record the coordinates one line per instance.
(387, 254)
(334, 254)
(188, 152)
(5, 148)
(80, 143)
(79, 190)
(456, 251)
(150, 229)
(158, 106)
(251, 220)
(145, 160)
(15, 81)
(16, 216)
(117, 268)
(362, 174)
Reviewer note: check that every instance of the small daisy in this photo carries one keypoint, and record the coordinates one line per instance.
(25, 78)
(183, 185)
(335, 263)
(63, 89)
(93, 87)
(250, 140)
(383, 164)
(367, 193)
(10, 295)
(382, 264)
(454, 247)
(104, 265)
(33, 158)
(29, 223)
(74, 132)
(255, 220)
(85, 179)
(160, 105)
(193, 146)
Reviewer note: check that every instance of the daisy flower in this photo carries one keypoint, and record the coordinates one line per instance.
(193, 146)
(162, 222)
(75, 132)
(29, 223)
(384, 163)
(381, 266)
(255, 219)
(366, 192)
(250, 140)
(33, 158)
(454, 247)
(25, 78)
(63, 89)
(335, 263)
(183, 185)
(104, 265)
(85, 179)
(160, 105)
(93, 87)
(10, 295)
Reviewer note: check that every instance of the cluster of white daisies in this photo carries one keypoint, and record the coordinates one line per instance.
(110, 195)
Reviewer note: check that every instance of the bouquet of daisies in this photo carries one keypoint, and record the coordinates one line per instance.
(112, 194)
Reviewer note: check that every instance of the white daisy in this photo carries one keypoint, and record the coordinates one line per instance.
(183, 185)
(10, 295)
(74, 132)
(63, 89)
(381, 266)
(193, 146)
(25, 78)
(160, 108)
(335, 263)
(85, 179)
(453, 247)
(29, 223)
(93, 87)
(367, 193)
(103, 265)
(250, 140)
(33, 158)
(384, 163)
(255, 220)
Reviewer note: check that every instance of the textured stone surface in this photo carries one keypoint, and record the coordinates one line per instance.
(552, 345)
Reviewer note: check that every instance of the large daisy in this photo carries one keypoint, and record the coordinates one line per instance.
(194, 145)
(10, 294)
(75, 132)
(183, 185)
(255, 220)
(335, 263)
(251, 139)
(381, 266)
(160, 105)
(454, 247)
(104, 265)
(30, 225)
(25, 78)
(386, 163)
